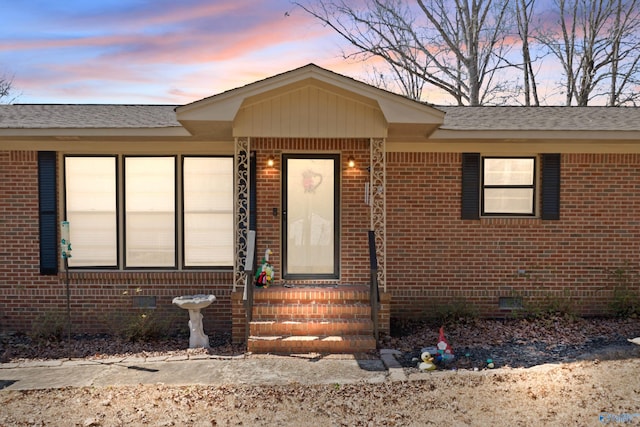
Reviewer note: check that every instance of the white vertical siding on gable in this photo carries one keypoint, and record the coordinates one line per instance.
(310, 112)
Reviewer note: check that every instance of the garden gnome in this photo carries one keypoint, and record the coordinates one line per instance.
(445, 352)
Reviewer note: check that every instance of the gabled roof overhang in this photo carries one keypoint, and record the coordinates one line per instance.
(524, 142)
(226, 116)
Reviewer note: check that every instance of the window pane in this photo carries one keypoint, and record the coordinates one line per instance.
(208, 211)
(508, 200)
(150, 211)
(508, 171)
(91, 211)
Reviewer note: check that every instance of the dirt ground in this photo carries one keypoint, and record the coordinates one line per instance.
(554, 373)
(586, 393)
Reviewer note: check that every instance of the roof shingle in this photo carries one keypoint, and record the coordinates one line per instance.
(86, 116)
(542, 118)
(97, 116)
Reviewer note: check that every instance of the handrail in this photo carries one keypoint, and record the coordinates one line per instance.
(374, 292)
(248, 287)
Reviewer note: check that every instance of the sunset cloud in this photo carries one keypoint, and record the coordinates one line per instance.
(161, 51)
(141, 51)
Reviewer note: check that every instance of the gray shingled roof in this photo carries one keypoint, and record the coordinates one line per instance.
(87, 116)
(541, 118)
(79, 116)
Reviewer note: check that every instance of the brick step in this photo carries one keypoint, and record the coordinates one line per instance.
(292, 311)
(299, 327)
(311, 319)
(308, 294)
(347, 344)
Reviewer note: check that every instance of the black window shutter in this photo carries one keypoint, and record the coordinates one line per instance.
(470, 186)
(551, 186)
(47, 212)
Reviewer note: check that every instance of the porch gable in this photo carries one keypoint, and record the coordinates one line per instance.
(311, 102)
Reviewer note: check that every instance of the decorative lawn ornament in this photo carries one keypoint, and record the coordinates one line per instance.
(265, 274)
(445, 352)
(427, 362)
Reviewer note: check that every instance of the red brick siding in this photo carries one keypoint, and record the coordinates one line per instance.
(354, 213)
(435, 257)
(20, 278)
(27, 295)
(94, 295)
(239, 318)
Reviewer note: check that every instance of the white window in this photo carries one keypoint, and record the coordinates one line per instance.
(208, 211)
(91, 208)
(126, 211)
(150, 211)
(508, 186)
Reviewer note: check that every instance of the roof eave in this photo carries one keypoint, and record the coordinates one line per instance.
(77, 133)
(534, 135)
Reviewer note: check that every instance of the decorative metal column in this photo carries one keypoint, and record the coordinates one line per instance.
(241, 208)
(377, 188)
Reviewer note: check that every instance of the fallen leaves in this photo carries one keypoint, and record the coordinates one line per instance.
(19, 347)
(514, 342)
(560, 395)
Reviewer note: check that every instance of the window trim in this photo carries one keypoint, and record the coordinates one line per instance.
(549, 187)
(533, 186)
(121, 212)
(117, 201)
(182, 231)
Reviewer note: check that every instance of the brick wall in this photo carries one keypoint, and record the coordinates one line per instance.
(26, 295)
(20, 277)
(354, 212)
(238, 318)
(434, 257)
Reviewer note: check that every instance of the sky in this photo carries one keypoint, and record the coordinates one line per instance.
(155, 51)
(169, 52)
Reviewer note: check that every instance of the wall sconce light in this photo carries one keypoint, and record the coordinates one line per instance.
(270, 161)
(351, 162)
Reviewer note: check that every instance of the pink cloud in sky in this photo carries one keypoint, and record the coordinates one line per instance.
(161, 51)
(146, 53)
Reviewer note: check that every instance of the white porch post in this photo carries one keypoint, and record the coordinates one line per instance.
(242, 187)
(377, 197)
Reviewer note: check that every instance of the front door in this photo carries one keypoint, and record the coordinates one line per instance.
(310, 215)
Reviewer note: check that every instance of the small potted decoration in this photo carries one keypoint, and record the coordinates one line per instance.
(265, 274)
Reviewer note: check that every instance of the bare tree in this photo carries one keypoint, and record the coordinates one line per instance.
(457, 46)
(5, 88)
(625, 57)
(405, 69)
(598, 43)
(524, 13)
(410, 84)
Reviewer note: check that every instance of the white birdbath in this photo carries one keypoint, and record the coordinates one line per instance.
(194, 303)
